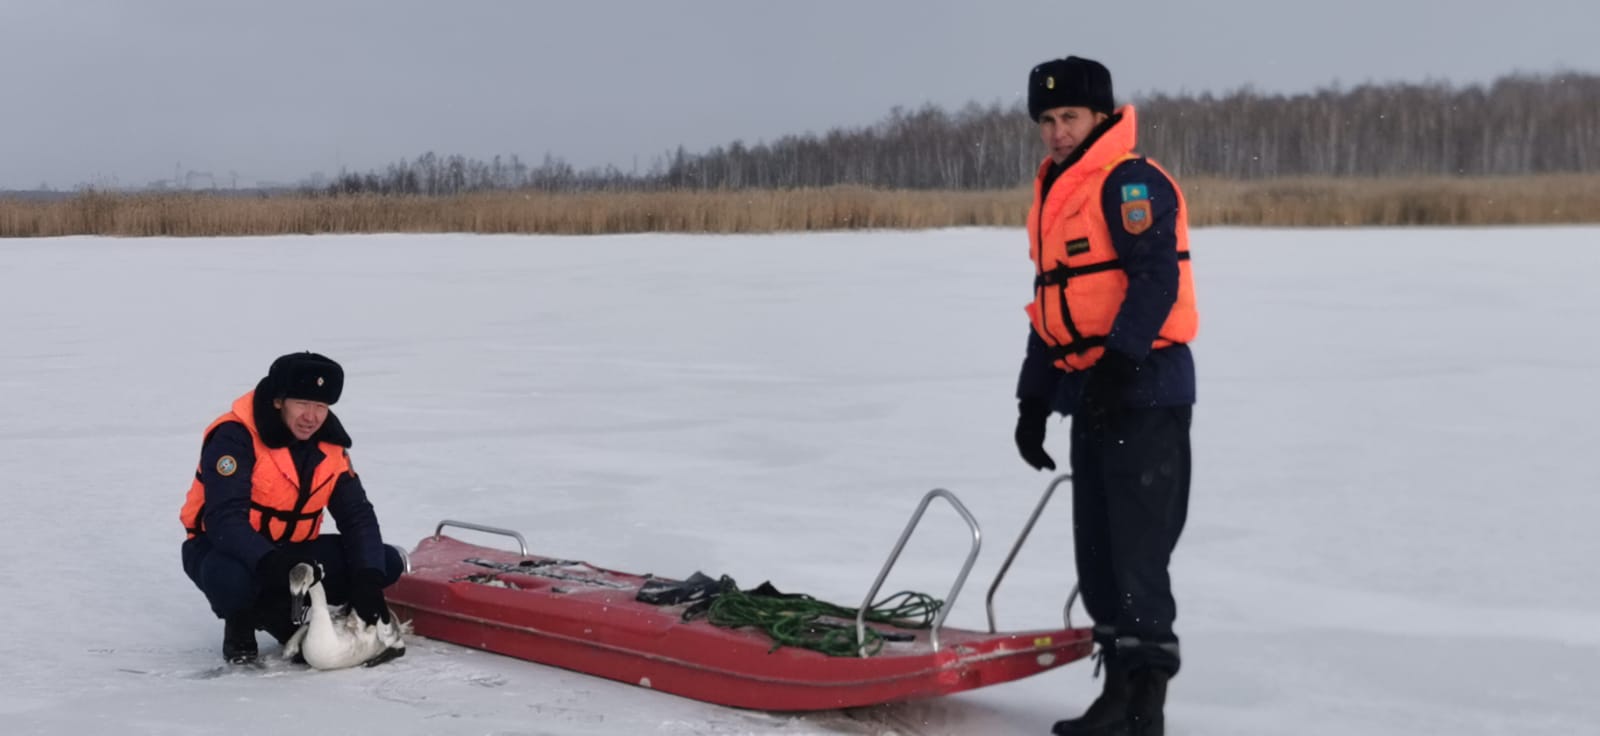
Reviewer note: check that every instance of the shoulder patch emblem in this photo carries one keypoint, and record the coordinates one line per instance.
(1136, 216)
(227, 466)
(1135, 192)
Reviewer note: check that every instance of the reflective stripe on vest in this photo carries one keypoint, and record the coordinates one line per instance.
(1078, 284)
(279, 508)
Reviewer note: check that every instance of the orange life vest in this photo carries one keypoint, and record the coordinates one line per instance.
(1078, 284)
(278, 506)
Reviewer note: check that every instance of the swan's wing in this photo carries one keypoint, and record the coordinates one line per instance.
(292, 647)
(389, 634)
(348, 646)
(359, 630)
(402, 628)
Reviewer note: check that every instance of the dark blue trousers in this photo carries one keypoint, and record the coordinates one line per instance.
(1130, 498)
(231, 587)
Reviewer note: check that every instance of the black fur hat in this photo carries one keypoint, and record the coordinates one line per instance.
(306, 376)
(1070, 82)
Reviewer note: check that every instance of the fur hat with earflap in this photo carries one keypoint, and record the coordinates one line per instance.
(1070, 82)
(308, 376)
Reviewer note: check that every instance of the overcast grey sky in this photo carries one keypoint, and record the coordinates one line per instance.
(96, 89)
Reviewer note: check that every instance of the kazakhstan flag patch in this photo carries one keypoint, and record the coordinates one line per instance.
(1135, 192)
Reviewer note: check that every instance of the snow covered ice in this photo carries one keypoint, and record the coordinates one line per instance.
(1395, 481)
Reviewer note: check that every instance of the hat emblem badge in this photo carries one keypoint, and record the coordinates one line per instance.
(319, 380)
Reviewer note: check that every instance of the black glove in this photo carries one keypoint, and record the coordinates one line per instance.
(1031, 417)
(1104, 389)
(366, 596)
(273, 568)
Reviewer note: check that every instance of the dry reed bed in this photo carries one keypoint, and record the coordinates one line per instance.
(1277, 202)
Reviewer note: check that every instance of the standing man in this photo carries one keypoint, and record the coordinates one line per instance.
(268, 469)
(1113, 312)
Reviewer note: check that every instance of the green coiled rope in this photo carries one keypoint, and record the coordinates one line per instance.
(796, 619)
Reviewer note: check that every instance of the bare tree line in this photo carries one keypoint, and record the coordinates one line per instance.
(431, 174)
(1517, 125)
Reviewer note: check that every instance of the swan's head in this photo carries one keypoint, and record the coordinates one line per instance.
(303, 576)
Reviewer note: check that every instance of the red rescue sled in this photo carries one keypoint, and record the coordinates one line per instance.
(584, 618)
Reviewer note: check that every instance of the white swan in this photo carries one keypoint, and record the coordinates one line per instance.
(335, 639)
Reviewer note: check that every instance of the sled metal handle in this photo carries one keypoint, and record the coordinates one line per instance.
(1070, 599)
(521, 543)
(1023, 537)
(916, 517)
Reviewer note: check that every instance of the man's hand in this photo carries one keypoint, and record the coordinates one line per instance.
(1031, 417)
(366, 596)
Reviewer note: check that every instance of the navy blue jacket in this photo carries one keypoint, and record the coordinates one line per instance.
(227, 509)
(1150, 260)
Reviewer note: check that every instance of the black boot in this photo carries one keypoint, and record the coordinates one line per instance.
(239, 638)
(1146, 707)
(1108, 714)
